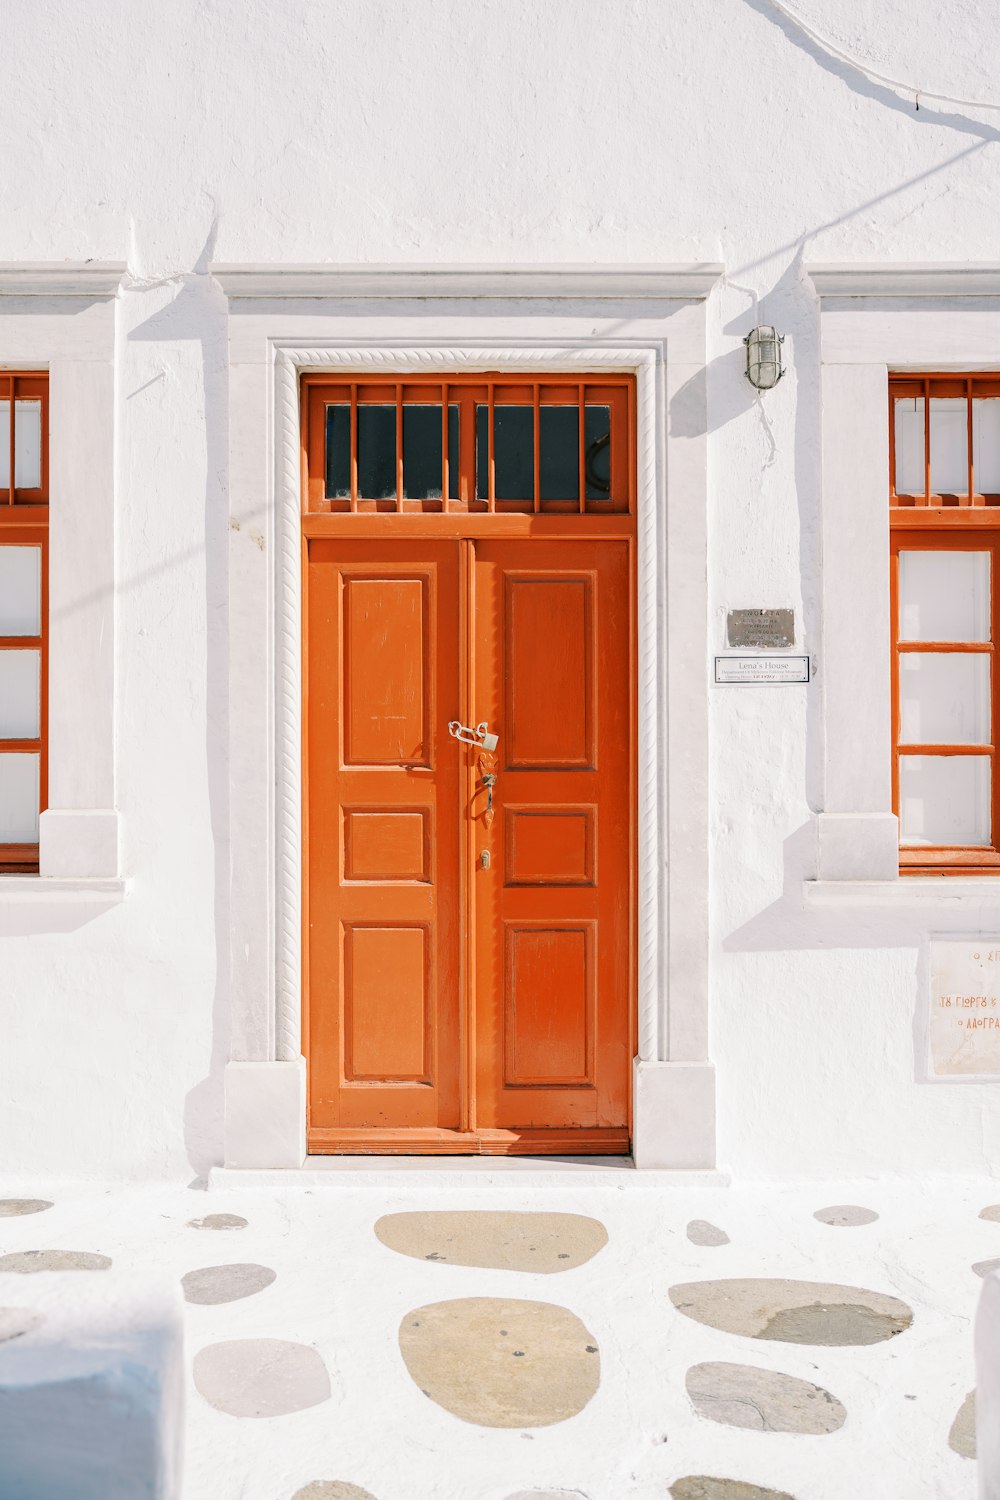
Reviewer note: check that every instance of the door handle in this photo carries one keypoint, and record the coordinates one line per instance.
(480, 736)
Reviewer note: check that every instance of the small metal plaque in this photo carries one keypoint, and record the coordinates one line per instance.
(965, 1008)
(766, 629)
(751, 670)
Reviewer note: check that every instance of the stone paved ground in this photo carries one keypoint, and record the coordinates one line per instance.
(506, 1335)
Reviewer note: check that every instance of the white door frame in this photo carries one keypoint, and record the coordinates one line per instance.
(284, 323)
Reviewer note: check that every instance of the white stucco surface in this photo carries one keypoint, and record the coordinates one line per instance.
(513, 132)
(338, 1294)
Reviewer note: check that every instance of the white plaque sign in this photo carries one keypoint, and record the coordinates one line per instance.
(761, 668)
(965, 1007)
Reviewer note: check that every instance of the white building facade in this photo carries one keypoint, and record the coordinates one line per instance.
(206, 207)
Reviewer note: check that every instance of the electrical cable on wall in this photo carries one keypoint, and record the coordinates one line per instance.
(899, 85)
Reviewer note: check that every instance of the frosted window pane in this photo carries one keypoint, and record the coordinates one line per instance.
(949, 446)
(20, 590)
(944, 698)
(19, 799)
(27, 445)
(944, 799)
(944, 596)
(986, 445)
(910, 446)
(19, 694)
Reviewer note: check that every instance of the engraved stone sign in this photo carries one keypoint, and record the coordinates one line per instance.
(965, 1007)
(765, 629)
(747, 670)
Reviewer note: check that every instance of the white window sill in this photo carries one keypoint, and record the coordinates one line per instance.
(908, 890)
(60, 888)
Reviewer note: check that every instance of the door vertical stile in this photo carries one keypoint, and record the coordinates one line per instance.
(633, 807)
(467, 851)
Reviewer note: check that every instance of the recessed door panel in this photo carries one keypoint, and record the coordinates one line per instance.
(387, 843)
(548, 649)
(386, 995)
(550, 845)
(549, 1004)
(387, 679)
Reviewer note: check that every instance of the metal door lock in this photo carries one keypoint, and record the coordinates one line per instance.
(480, 736)
(484, 860)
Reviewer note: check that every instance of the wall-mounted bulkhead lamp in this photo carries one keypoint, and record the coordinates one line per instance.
(764, 367)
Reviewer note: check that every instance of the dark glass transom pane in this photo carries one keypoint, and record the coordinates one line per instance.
(513, 452)
(377, 452)
(597, 451)
(559, 452)
(422, 478)
(338, 452)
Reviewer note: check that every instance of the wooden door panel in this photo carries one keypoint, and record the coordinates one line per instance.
(553, 981)
(549, 1004)
(387, 844)
(386, 1004)
(386, 672)
(383, 837)
(550, 694)
(550, 845)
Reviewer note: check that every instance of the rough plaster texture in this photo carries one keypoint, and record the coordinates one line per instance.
(340, 1298)
(166, 137)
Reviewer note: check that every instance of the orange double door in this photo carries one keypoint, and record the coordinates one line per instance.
(469, 955)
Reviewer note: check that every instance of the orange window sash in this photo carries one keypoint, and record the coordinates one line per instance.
(24, 521)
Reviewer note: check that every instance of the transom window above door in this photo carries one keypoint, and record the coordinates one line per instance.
(469, 444)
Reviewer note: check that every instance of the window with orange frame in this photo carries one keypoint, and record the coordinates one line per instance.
(944, 499)
(24, 518)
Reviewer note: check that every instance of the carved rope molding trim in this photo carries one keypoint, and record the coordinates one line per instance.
(290, 362)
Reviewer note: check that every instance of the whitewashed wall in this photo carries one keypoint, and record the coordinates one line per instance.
(517, 131)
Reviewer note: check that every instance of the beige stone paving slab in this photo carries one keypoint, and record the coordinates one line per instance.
(260, 1377)
(793, 1312)
(218, 1221)
(501, 1363)
(24, 1262)
(762, 1400)
(962, 1437)
(332, 1489)
(846, 1215)
(501, 1241)
(548, 1495)
(704, 1487)
(701, 1232)
(212, 1285)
